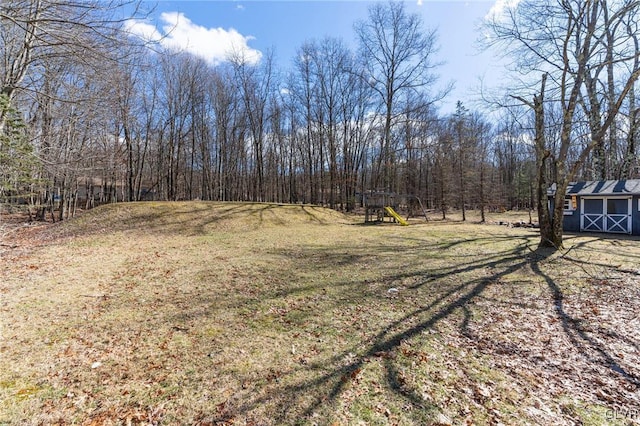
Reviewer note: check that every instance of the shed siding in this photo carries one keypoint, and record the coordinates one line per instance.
(571, 222)
(635, 215)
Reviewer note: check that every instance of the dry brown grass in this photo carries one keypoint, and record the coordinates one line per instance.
(222, 313)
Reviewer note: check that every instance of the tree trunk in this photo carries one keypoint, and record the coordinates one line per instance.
(483, 218)
(550, 225)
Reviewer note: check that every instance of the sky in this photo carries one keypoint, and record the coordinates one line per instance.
(211, 29)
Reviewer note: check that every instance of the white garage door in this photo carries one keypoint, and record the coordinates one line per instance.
(609, 214)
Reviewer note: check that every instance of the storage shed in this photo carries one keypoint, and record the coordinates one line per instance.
(602, 206)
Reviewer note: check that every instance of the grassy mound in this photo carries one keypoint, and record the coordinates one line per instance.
(195, 217)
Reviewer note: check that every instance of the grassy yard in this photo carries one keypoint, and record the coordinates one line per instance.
(256, 314)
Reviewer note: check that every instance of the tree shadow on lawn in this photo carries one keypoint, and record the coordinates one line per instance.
(189, 218)
(293, 401)
(595, 243)
(592, 350)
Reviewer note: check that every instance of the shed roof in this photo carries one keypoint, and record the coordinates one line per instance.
(605, 187)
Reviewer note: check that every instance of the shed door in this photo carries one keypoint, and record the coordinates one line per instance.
(606, 215)
(592, 217)
(618, 218)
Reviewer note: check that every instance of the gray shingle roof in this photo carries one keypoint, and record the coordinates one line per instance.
(605, 187)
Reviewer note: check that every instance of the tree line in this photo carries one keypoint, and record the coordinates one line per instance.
(90, 114)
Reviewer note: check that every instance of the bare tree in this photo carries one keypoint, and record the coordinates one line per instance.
(228, 145)
(256, 84)
(35, 31)
(331, 63)
(399, 56)
(461, 136)
(356, 129)
(629, 160)
(444, 168)
(54, 57)
(417, 126)
(304, 89)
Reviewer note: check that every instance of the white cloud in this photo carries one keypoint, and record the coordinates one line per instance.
(144, 30)
(499, 8)
(179, 32)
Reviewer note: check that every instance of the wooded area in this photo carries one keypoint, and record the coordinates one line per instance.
(92, 114)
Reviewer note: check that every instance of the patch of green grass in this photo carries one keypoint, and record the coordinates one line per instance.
(596, 414)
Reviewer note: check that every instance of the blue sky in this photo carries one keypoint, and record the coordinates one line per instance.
(211, 28)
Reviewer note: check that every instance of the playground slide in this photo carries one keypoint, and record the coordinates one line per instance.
(396, 216)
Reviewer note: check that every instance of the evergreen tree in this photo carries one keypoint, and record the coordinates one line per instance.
(17, 159)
